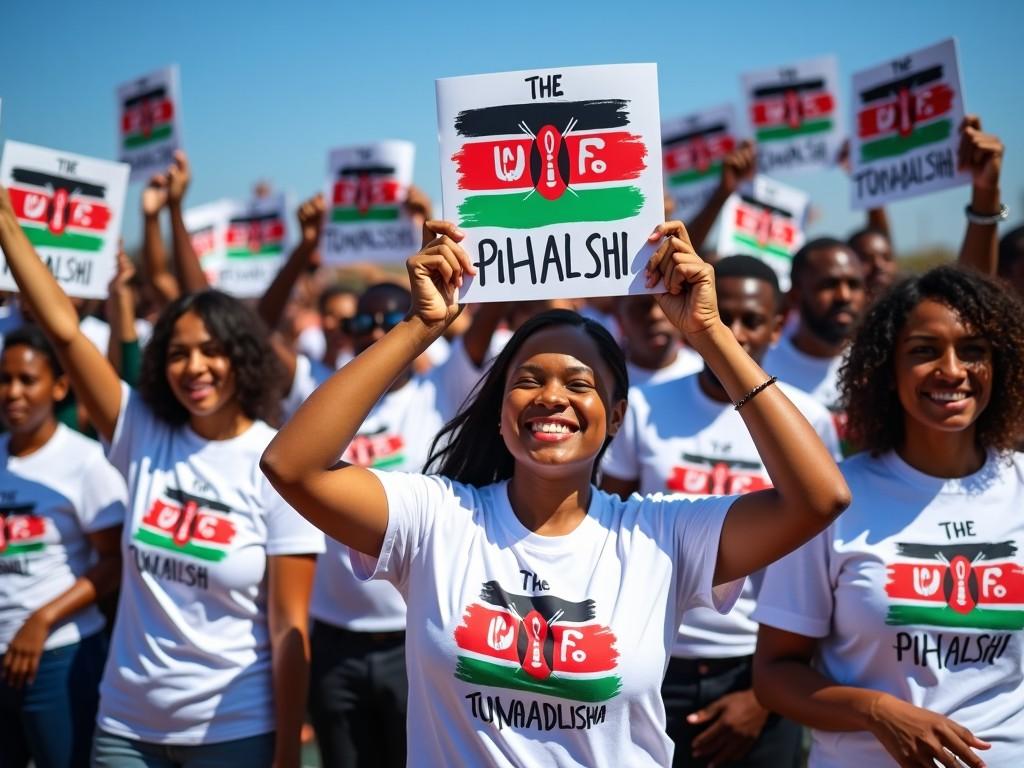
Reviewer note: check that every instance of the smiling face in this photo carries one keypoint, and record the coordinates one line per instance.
(198, 369)
(943, 370)
(28, 389)
(558, 404)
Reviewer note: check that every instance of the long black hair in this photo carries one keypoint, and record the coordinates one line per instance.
(469, 448)
(259, 375)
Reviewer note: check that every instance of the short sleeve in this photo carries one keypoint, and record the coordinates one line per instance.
(104, 496)
(796, 594)
(620, 460)
(288, 532)
(413, 504)
(698, 530)
(136, 424)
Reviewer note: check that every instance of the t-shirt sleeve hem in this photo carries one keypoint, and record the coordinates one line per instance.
(790, 622)
(367, 567)
(119, 428)
(296, 546)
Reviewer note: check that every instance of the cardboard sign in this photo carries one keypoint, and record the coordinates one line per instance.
(149, 122)
(794, 111)
(692, 149)
(367, 187)
(907, 116)
(764, 219)
(240, 246)
(551, 175)
(70, 208)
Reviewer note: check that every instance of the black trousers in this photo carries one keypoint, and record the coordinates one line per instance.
(357, 696)
(691, 684)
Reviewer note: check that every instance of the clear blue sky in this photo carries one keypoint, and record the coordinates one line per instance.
(268, 87)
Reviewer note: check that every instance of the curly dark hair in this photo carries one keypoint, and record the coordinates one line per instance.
(259, 375)
(469, 448)
(868, 374)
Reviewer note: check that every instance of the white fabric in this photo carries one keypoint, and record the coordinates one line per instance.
(190, 657)
(687, 362)
(49, 501)
(604, 601)
(917, 590)
(817, 376)
(676, 439)
(311, 342)
(396, 435)
(98, 331)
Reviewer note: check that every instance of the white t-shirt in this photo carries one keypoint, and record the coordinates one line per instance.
(818, 376)
(190, 657)
(49, 501)
(687, 362)
(917, 590)
(676, 439)
(396, 435)
(538, 650)
(98, 331)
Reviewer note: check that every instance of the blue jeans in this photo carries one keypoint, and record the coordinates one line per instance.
(110, 751)
(51, 720)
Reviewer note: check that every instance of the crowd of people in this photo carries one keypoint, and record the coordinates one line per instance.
(613, 531)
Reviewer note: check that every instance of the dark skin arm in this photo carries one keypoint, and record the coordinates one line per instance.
(272, 304)
(982, 155)
(154, 254)
(738, 166)
(186, 263)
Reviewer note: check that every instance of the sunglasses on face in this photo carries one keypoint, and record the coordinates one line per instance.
(366, 322)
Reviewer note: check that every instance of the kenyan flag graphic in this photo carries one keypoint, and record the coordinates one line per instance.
(718, 477)
(21, 532)
(204, 241)
(904, 114)
(188, 525)
(763, 229)
(696, 155)
(59, 212)
(977, 586)
(532, 165)
(146, 118)
(380, 449)
(257, 235)
(791, 109)
(366, 193)
(540, 644)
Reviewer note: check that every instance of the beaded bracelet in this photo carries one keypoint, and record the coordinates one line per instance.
(753, 393)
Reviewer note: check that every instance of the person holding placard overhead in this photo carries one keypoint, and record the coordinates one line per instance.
(208, 658)
(540, 609)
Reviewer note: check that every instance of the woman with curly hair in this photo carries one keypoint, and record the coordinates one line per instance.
(208, 655)
(912, 603)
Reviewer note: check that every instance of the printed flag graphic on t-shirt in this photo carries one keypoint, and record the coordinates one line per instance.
(257, 235)
(366, 193)
(539, 643)
(904, 114)
(146, 118)
(59, 212)
(976, 585)
(20, 530)
(705, 475)
(548, 163)
(380, 450)
(791, 109)
(188, 525)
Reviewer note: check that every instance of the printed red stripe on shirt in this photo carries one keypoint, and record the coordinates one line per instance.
(205, 527)
(994, 584)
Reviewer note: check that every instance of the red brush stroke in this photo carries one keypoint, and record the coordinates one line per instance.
(207, 527)
(890, 117)
(347, 192)
(146, 116)
(767, 228)
(779, 111)
(698, 153)
(32, 206)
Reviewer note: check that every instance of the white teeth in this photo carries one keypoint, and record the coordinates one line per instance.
(548, 426)
(947, 397)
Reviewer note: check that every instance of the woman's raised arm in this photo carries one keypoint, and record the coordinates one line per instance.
(93, 378)
(348, 502)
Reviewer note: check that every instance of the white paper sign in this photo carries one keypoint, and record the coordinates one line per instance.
(693, 147)
(149, 122)
(907, 115)
(765, 219)
(241, 246)
(794, 111)
(555, 177)
(70, 208)
(367, 187)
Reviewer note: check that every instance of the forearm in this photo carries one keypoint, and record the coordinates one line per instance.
(700, 226)
(980, 248)
(186, 263)
(291, 682)
(272, 304)
(879, 219)
(121, 315)
(97, 582)
(154, 261)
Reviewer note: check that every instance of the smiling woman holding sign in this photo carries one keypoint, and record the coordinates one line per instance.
(540, 609)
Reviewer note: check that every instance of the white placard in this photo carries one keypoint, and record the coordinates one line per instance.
(149, 122)
(693, 147)
(367, 187)
(764, 218)
(551, 174)
(794, 112)
(70, 207)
